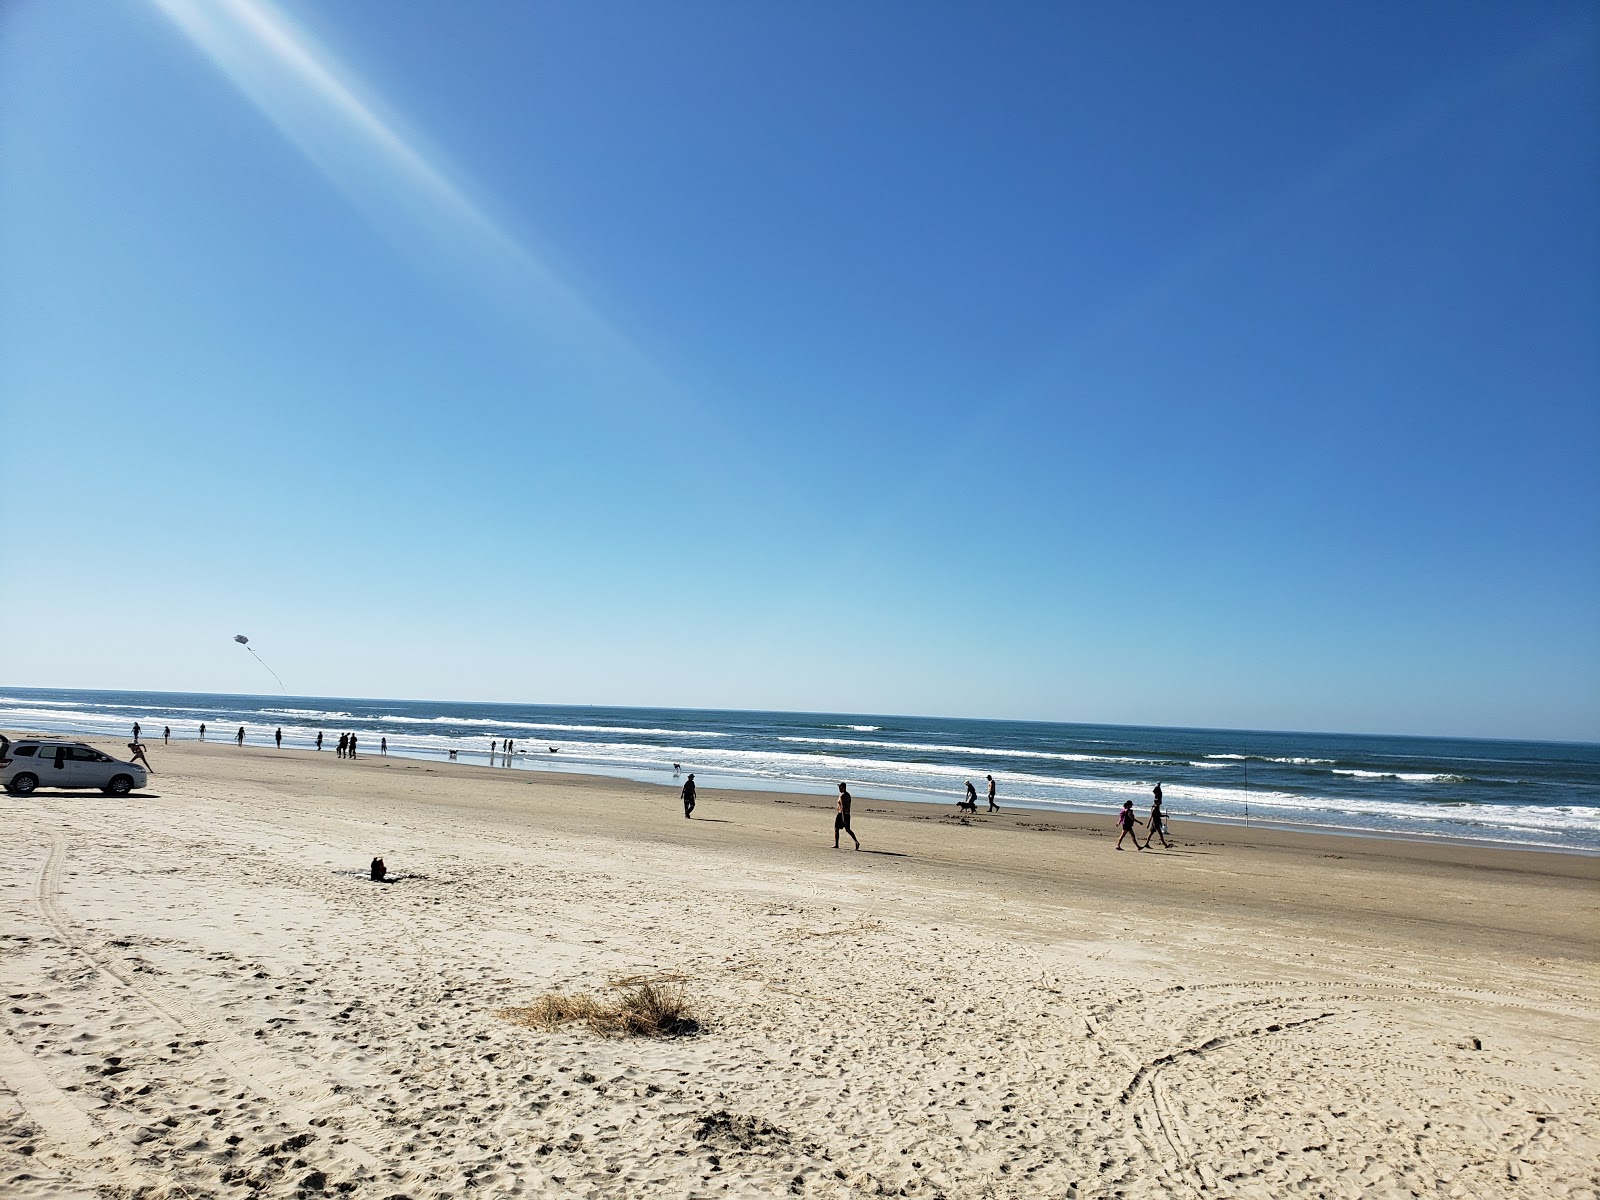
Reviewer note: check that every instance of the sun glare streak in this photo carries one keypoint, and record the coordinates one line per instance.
(321, 107)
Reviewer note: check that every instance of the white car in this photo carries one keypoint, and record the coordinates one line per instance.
(32, 763)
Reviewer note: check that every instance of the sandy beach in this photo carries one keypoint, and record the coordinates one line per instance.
(205, 995)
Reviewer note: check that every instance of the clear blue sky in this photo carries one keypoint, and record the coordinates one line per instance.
(1224, 365)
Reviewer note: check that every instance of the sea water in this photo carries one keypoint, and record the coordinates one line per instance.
(1536, 794)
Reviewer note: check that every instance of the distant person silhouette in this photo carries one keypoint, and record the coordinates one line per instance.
(278, 737)
(166, 734)
(383, 746)
(319, 739)
(841, 818)
(239, 737)
(1126, 821)
(993, 807)
(1155, 827)
(202, 731)
(344, 743)
(351, 750)
(510, 750)
(136, 731)
(688, 796)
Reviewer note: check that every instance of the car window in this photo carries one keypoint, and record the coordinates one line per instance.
(84, 754)
(23, 751)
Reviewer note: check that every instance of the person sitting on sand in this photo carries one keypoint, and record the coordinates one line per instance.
(1126, 821)
(1154, 827)
(136, 753)
(841, 819)
(688, 796)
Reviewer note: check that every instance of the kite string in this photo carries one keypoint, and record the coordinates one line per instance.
(273, 673)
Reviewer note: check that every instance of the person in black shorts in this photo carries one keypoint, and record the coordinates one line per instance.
(278, 737)
(688, 796)
(1153, 829)
(239, 737)
(841, 819)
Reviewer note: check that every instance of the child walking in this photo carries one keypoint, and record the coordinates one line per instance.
(1126, 821)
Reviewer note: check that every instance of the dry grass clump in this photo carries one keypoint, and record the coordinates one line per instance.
(648, 1008)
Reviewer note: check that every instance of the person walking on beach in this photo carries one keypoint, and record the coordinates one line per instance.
(841, 819)
(993, 807)
(1126, 821)
(383, 746)
(239, 737)
(510, 750)
(351, 748)
(136, 753)
(1154, 828)
(970, 804)
(494, 748)
(688, 796)
(319, 740)
(166, 734)
(278, 737)
(344, 741)
(136, 731)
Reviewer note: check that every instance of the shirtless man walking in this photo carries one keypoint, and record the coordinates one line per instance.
(841, 819)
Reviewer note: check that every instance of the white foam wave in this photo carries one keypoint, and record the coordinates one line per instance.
(1294, 762)
(1404, 776)
(976, 752)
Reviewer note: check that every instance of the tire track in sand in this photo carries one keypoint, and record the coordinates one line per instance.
(249, 1065)
(75, 1136)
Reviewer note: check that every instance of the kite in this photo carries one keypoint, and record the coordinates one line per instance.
(245, 642)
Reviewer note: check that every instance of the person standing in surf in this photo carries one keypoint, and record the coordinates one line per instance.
(239, 737)
(278, 737)
(841, 819)
(688, 796)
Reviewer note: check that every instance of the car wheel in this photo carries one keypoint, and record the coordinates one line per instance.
(120, 785)
(22, 785)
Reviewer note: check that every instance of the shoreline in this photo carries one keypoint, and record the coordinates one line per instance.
(761, 788)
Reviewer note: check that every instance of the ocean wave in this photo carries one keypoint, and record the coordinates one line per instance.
(975, 752)
(1404, 776)
(1291, 762)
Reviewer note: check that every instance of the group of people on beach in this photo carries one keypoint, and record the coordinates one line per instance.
(1126, 820)
(1155, 827)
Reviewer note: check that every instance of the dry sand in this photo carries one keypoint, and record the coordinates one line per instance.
(205, 996)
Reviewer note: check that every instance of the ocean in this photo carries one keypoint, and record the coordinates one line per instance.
(1543, 795)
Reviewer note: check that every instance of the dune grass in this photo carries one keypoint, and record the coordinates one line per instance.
(648, 1007)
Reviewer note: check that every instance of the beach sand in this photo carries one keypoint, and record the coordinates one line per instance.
(204, 995)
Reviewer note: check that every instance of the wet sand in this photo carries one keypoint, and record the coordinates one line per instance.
(207, 996)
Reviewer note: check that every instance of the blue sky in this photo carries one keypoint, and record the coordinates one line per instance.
(1231, 366)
